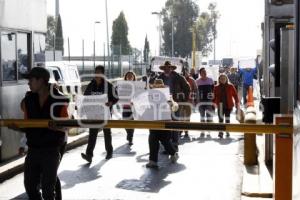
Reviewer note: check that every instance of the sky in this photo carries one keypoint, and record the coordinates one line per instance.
(239, 33)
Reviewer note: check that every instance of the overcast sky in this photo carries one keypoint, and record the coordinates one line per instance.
(239, 33)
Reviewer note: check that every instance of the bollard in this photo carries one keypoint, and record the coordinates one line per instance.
(250, 152)
(283, 161)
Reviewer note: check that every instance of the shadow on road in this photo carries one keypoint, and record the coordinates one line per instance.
(153, 180)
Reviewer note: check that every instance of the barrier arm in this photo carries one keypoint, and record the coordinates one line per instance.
(159, 125)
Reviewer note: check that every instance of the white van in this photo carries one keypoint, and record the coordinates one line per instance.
(66, 76)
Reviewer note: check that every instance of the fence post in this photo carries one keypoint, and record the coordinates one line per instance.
(283, 161)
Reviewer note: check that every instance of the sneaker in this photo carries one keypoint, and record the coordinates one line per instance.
(86, 157)
(174, 158)
(208, 135)
(227, 134)
(186, 135)
(152, 164)
(108, 156)
(220, 135)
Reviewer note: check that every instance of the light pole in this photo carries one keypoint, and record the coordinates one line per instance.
(96, 22)
(159, 31)
(172, 18)
(107, 38)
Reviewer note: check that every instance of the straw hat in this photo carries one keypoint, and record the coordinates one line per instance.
(167, 64)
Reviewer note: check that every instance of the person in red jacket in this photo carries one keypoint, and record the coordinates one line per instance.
(225, 98)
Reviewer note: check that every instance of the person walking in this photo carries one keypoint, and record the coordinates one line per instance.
(205, 90)
(98, 86)
(225, 98)
(179, 89)
(192, 98)
(127, 108)
(247, 75)
(161, 136)
(44, 144)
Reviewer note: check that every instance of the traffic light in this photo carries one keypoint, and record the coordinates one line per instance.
(281, 2)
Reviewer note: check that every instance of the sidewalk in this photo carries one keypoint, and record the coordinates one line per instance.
(12, 168)
(257, 181)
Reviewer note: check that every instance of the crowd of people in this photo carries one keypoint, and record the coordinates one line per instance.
(189, 91)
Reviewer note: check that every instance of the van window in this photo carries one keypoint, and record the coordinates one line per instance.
(56, 75)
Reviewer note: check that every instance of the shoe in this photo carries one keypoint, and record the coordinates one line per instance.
(220, 135)
(108, 156)
(152, 164)
(186, 135)
(174, 158)
(208, 136)
(227, 134)
(130, 143)
(202, 135)
(86, 157)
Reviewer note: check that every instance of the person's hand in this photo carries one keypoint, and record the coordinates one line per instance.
(21, 151)
(108, 104)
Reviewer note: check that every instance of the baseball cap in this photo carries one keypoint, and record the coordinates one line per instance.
(38, 72)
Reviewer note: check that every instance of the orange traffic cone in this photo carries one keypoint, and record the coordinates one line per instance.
(250, 100)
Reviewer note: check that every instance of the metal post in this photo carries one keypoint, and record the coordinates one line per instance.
(104, 60)
(107, 35)
(53, 47)
(82, 56)
(283, 168)
(69, 49)
(159, 31)
(172, 36)
(96, 22)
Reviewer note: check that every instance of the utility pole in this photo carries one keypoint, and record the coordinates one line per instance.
(96, 22)
(159, 30)
(107, 37)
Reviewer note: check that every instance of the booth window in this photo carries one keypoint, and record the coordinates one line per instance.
(39, 46)
(8, 56)
(23, 46)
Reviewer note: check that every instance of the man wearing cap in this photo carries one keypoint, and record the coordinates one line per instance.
(44, 144)
(179, 89)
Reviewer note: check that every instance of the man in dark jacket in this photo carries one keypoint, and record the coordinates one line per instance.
(44, 144)
(179, 89)
(98, 86)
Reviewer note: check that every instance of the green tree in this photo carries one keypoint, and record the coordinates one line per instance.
(120, 36)
(59, 40)
(146, 50)
(183, 13)
(206, 30)
(51, 24)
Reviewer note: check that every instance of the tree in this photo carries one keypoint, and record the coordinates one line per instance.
(120, 35)
(59, 40)
(183, 13)
(146, 50)
(51, 24)
(206, 31)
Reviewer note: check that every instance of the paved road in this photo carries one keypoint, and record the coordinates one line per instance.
(208, 169)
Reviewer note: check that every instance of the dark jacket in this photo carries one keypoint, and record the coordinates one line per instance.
(104, 88)
(44, 137)
(179, 87)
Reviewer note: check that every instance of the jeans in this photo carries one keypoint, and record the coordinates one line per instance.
(157, 136)
(40, 169)
(58, 194)
(245, 92)
(92, 141)
(127, 115)
(206, 112)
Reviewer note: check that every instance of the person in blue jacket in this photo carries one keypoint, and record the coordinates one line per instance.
(247, 75)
